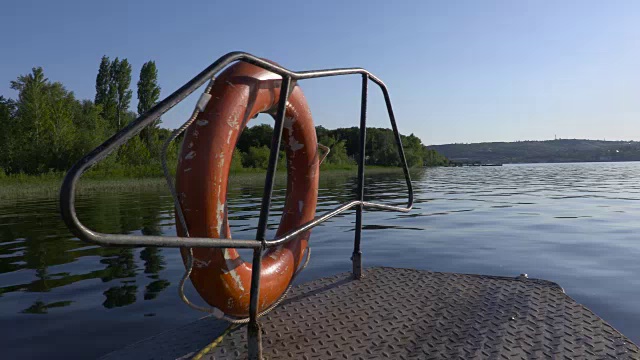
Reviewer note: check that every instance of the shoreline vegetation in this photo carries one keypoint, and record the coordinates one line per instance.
(46, 129)
(48, 185)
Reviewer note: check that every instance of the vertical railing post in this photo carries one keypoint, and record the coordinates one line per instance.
(356, 257)
(396, 133)
(254, 332)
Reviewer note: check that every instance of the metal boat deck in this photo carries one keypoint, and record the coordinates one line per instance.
(407, 314)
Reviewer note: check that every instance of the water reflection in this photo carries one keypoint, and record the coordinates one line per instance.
(34, 241)
(40, 307)
(575, 224)
(36, 244)
(153, 264)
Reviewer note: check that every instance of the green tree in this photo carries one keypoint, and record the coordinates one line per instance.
(256, 157)
(7, 123)
(31, 114)
(351, 136)
(134, 153)
(106, 91)
(381, 147)
(413, 150)
(44, 129)
(148, 95)
(120, 82)
(338, 154)
(148, 89)
(60, 126)
(102, 81)
(255, 136)
(47, 128)
(236, 160)
(91, 128)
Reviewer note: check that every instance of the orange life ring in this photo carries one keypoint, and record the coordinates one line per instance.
(220, 276)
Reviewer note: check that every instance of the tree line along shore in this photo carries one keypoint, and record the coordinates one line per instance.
(46, 129)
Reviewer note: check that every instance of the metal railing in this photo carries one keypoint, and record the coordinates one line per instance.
(289, 79)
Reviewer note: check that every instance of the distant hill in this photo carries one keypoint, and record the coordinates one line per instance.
(542, 151)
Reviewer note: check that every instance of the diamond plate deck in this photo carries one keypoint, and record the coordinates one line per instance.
(409, 314)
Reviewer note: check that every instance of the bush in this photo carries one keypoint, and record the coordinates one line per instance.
(256, 157)
(338, 155)
(134, 153)
(413, 158)
(236, 160)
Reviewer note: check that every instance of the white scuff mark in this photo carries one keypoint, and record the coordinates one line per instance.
(202, 122)
(200, 263)
(230, 302)
(234, 121)
(300, 205)
(288, 123)
(187, 169)
(232, 271)
(190, 145)
(219, 214)
(219, 219)
(229, 136)
(183, 196)
(203, 101)
(230, 84)
(294, 144)
(221, 162)
(196, 133)
(190, 155)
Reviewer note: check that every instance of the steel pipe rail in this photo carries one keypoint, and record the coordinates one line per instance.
(69, 185)
(178, 242)
(289, 80)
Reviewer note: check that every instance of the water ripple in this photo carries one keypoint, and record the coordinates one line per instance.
(575, 224)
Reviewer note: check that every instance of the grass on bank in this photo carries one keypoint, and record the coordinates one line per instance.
(142, 178)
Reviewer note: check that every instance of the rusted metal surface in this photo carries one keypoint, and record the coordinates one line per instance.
(408, 314)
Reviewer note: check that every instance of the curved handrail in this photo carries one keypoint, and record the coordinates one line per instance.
(67, 191)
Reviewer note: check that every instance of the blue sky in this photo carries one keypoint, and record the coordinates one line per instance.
(458, 71)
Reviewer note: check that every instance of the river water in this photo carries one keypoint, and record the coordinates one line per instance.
(575, 224)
